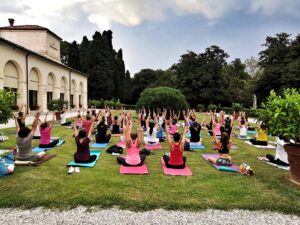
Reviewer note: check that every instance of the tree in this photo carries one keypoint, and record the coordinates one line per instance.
(162, 97)
(142, 80)
(200, 77)
(74, 56)
(7, 99)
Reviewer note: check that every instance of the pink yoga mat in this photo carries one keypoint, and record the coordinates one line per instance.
(233, 168)
(176, 172)
(134, 169)
(121, 144)
(153, 147)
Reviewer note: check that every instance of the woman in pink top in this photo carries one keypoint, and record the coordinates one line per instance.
(45, 130)
(133, 141)
(87, 123)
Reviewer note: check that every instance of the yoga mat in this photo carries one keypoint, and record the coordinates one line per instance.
(196, 146)
(134, 169)
(121, 144)
(116, 135)
(176, 172)
(92, 164)
(188, 135)
(260, 146)
(278, 166)
(232, 168)
(38, 149)
(244, 138)
(234, 147)
(153, 147)
(29, 163)
(98, 145)
(251, 132)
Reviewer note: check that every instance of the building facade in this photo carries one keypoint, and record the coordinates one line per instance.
(30, 65)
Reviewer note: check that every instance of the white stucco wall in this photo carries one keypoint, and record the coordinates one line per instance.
(43, 68)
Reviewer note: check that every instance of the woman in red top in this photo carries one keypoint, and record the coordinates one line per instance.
(176, 159)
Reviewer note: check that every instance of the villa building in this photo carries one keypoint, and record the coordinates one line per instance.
(30, 65)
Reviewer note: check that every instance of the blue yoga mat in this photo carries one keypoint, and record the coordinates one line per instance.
(251, 132)
(97, 145)
(92, 164)
(196, 146)
(188, 135)
(38, 149)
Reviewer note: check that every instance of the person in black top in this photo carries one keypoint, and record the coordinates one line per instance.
(116, 126)
(102, 127)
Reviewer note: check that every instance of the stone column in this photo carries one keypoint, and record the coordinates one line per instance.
(42, 98)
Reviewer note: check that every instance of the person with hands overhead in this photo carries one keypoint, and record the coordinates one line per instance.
(152, 129)
(133, 142)
(83, 140)
(45, 130)
(222, 146)
(176, 159)
(24, 141)
(102, 128)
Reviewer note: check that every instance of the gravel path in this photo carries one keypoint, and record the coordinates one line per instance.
(82, 215)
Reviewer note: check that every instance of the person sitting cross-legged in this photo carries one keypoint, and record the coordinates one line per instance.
(176, 159)
(24, 141)
(83, 140)
(133, 142)
(45, 130)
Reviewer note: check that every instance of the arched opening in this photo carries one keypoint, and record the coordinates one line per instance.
(80, 94)
(50, 87)
(33, 89)
(11, 78)
(73, 89)
(63, 88)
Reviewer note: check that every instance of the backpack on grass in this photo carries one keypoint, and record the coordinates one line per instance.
(7, 162)
(114, 149)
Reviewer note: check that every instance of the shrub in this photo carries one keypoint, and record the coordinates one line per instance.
(7, 99)
(212, 107)
(237, 107)
(200, 107)
(282, 113)
(95, 103)
(56, 105)
(162, 97)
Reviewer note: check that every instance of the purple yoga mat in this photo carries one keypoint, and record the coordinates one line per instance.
(233, 168)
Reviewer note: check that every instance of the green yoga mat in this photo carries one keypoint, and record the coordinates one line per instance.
(92, 164)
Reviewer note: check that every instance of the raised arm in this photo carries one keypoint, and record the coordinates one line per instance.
(140, 133)
(53, 118)
(155, 120)
(17, 124)
(167, 129)
(91, 129)
(183, 137)
(35, 122)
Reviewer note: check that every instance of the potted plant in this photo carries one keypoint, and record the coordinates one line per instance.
(237, 107)
(57, 105)
(282, 113)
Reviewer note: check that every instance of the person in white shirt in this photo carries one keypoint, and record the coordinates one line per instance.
(280, 156)
(64, 119)
(152, 128)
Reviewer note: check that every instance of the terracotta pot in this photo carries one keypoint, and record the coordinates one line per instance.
(293, 151)
(58, 115)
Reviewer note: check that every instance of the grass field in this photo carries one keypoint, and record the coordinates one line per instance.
(49, 185)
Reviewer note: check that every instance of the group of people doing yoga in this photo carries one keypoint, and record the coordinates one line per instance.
(157, 126)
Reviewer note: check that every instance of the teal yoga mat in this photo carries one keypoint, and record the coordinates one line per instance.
(251, 132)
(92, 164)
(38, 149)
(97, 145)
(196, 146)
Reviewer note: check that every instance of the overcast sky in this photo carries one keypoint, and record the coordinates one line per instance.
(155, 33)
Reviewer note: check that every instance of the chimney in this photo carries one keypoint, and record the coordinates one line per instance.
(11, 22)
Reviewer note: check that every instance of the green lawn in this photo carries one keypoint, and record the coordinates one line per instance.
(49, 185)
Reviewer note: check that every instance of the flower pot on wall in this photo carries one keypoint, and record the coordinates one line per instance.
(293, 151)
